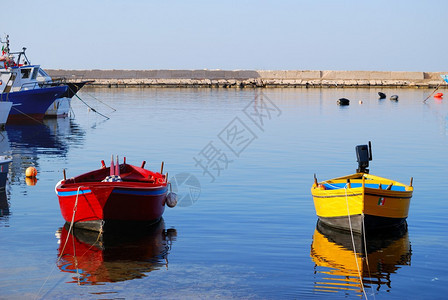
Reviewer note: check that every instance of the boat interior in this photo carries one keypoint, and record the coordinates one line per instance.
(127, 173)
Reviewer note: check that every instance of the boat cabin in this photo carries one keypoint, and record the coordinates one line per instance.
(22, 78)
(19, 75)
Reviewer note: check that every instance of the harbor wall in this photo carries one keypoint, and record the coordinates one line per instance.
(248, 78)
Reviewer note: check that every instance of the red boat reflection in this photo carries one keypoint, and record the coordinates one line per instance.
(111, 257)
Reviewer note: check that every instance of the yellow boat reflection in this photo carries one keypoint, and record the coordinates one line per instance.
(346, 264)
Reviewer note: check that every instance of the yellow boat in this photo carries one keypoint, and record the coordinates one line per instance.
(353, 201)
(339, 267)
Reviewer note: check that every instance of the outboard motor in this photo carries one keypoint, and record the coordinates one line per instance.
(364, 155)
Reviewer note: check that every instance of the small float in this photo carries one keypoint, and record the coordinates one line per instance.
(438, 95)
(394, 97)
(343, 101)
(121, 195)
(381, 95)
(362, 202)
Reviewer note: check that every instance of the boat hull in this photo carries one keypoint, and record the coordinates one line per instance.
(31, 104)
(59, 109)
(368, 205)
(371, 223)
(5, 109)
(61, 106)
(96, 206)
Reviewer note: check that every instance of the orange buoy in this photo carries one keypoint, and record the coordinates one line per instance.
(31, 172)
(438, 95)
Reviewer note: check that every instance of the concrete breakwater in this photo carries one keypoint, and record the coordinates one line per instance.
(247, 78)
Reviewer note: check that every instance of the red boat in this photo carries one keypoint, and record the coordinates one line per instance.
(115, 196)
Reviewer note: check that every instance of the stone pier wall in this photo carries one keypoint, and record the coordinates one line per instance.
(247, 78)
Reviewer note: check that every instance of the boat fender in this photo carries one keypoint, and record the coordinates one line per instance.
(57, 185)
(171, 199)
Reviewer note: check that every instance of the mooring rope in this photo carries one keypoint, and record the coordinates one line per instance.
(100, 101)
(92, 108)
(75, 207)
(26, 115)
(353, 242)
(424, 101)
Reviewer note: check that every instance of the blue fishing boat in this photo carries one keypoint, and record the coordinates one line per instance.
(19, 84)
(31, 104)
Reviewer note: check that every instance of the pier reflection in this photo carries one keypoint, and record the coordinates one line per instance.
(348, 265)
(113, 257)
(4, 206)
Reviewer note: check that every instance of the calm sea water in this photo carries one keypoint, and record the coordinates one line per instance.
(243, 166)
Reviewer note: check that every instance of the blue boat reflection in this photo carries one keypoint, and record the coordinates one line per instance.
(27, 142)
(4, 207)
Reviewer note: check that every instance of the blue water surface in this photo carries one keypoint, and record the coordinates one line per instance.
(243, 162)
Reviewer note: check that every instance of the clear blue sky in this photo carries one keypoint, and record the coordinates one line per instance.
(246, 34)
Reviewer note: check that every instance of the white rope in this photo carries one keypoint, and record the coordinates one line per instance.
(65, 243)
(353, 242)
(365, 251)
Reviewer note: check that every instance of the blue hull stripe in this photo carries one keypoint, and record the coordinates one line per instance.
(73, 193)
(140, 192)
(118, 191)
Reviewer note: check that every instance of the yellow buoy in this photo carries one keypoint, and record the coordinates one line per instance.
(31, 172)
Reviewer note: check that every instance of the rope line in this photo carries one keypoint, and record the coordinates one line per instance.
(34, 119)
(100, 101)
(92, 108)
(353, 242)
(433, 91)
(366, 254)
